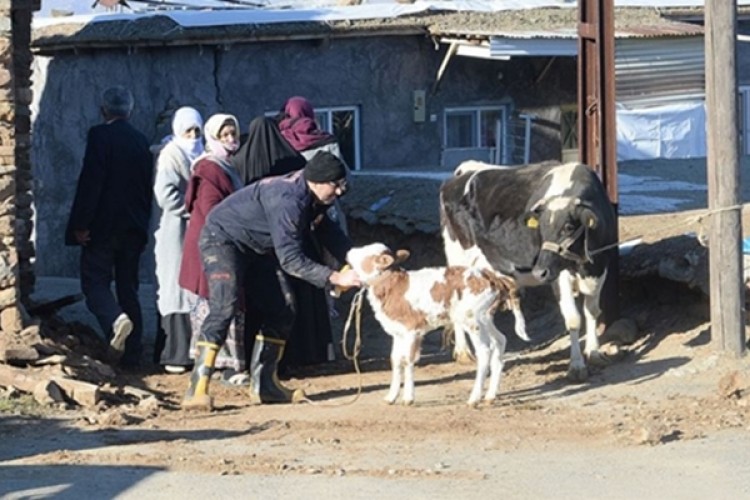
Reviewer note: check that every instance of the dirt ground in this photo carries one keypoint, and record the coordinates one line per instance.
(670, 385)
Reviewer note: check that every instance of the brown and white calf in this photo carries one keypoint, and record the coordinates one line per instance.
(409, 304)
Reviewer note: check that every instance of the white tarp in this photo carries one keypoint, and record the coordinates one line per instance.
(667, 131)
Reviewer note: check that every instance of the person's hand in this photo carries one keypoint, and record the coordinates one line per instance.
(345, 279)
(82, 236)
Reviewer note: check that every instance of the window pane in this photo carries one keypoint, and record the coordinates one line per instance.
(343, 129)
(322, 119)
(743, 114)
(460, 129)
(569, 129)
(489, 118)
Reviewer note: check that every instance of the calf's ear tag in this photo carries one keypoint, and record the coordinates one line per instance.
(532, 222)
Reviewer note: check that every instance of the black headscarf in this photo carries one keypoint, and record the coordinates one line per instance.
(265, 152)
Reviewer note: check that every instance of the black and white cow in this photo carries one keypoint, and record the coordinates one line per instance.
(540, 224)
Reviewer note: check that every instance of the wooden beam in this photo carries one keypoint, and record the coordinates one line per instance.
(725, 233)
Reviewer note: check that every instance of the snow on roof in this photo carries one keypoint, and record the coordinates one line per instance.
(201, 13)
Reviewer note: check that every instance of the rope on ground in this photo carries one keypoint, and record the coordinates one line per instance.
(355, 315)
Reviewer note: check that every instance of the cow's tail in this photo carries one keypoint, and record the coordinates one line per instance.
(508, 298)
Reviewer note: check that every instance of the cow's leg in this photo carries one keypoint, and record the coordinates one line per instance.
(591, 288)
(577, 371)
(498, 343)
(413, 346)
(480, 340)
(397, 361)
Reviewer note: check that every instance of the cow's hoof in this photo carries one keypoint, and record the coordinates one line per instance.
(603, 358)
(389, 401)
(408, 402)
(473, 404)
(464, 358)
(578, 374)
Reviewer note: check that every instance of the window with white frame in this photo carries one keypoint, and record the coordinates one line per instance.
(476, 128)
(744, 119)
(344, 123)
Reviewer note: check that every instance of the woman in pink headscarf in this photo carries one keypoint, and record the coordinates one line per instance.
(298, 126)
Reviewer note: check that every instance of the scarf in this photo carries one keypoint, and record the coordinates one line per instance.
(265, 152)
(298, 125)
(184, 119)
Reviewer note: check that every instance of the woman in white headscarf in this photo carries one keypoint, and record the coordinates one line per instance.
(213, 179)
(173, 171)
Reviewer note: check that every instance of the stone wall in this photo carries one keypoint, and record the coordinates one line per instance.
(16, 249)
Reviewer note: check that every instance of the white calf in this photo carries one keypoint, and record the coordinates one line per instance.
(409, 304)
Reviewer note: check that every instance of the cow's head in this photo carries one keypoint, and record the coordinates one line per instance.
(563, 224)
(371, 260)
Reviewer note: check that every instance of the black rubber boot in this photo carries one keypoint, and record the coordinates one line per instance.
(265, 387)
(196, 396)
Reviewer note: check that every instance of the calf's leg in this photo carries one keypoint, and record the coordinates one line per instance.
(412, 346)
(498, 342)
(397, 360)
(481, 343)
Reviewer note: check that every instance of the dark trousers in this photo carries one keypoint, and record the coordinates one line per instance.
(267, 288)
(102, 262)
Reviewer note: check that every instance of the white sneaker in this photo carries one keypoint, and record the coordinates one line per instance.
(175, 369)
(121, 328)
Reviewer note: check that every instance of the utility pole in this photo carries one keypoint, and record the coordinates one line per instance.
(597, 137)
(725, 234)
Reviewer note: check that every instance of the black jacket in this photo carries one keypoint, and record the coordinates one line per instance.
(276, 215)
(115, 186)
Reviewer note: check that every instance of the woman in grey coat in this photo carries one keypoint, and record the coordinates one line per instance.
(172, 175)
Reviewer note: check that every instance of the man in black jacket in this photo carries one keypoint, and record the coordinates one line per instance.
(259, 231)
(109, 220)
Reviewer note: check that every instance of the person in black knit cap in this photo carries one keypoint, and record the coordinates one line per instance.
(259, 231)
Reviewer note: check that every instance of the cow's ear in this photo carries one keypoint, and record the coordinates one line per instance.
(588, 218)
(384, 261)
(402, 255)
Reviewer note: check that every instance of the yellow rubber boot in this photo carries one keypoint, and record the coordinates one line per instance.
(196, 396)
(265, 386)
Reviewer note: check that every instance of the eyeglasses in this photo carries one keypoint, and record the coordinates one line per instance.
(340, 185)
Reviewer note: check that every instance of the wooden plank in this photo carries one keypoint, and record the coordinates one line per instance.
(725, 235)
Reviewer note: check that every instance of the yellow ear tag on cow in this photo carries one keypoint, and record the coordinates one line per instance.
(532, 222)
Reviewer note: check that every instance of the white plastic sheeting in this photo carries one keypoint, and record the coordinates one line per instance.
(667, 131)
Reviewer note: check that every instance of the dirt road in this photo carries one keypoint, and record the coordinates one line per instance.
(670, 420)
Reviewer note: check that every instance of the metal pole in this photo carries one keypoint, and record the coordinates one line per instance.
(725, 234)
